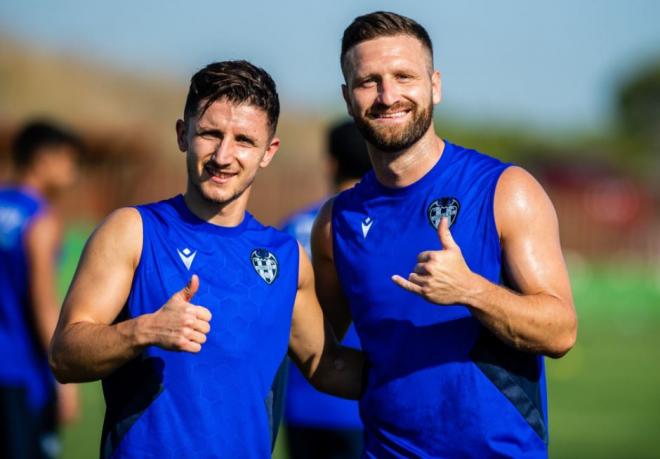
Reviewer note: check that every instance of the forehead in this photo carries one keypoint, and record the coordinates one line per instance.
(231, 116)
(372, 55)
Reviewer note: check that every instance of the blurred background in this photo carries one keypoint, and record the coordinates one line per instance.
(569, 90)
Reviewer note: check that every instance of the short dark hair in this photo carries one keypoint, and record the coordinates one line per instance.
(347, 146)
(382, 24)
(236, 81)
(38, 135)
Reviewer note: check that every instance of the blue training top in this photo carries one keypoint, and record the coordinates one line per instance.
(214, 404)
(24, 360)
(440, 385)
(306, 406)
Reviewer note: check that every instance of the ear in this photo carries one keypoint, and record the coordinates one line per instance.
(347, 99)
(182, 135)
(270, 152)
(436, 87)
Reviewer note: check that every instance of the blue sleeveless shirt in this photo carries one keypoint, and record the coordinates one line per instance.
(213, 404)
(24, 360)
(306, 406)
(440, 385)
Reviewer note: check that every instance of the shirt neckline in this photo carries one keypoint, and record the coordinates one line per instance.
(199, 224)
(426, 179)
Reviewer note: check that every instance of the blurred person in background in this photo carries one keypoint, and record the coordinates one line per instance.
(456, 347)
(175, 385)
(31, 403)
(318, 425)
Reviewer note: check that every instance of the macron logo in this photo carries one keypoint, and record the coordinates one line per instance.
(366, 226)
(187, 256)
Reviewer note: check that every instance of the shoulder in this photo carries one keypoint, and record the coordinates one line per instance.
(475, 159)
(120, 233)
(520, 199)
(270, 235)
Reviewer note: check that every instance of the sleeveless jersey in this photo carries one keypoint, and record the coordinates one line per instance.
(213, 404)
(24, 360)
(440, 384)
(306, 406)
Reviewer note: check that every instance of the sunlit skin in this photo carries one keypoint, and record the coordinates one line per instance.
(386, 78)
(394, 74)
(225, 147)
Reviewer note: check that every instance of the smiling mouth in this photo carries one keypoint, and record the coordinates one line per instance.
(217, 175)
(390, 116)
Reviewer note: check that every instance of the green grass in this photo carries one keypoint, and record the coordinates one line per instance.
(604, 396)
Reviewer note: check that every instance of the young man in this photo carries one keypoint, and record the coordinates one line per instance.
(319, 425)
(457, 345)
(31, 405)
(138, 313)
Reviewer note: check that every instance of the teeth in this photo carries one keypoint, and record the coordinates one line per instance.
(392, 115)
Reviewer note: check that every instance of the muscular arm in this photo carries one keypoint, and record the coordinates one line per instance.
(87, 345)
(313, 347)
(334, 304)
(539, 315)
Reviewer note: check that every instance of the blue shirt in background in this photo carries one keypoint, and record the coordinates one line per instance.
(24, 360)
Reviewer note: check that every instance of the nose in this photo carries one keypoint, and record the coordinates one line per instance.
(224, 153)
(388, 92)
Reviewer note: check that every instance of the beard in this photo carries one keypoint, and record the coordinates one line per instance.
(395, 138)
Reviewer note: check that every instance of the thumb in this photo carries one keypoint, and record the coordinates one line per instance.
(446, 239)
(189, 290)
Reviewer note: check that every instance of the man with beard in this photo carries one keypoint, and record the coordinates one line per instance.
(456, 347)
(175, 387)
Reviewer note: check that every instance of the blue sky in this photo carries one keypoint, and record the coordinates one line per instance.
(542, 64)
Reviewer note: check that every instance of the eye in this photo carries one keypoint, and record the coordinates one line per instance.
(245, 141)
(367, 82)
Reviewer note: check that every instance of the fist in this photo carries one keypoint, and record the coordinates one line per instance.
(179, 325)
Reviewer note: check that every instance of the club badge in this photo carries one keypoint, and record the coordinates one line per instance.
(265, 264)
(443, 207)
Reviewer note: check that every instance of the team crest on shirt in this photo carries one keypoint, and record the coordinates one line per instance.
(443, 207)
(265, 264)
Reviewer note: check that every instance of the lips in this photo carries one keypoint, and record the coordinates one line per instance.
(218, 175)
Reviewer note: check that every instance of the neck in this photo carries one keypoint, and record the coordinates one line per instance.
(30, 180)
(345, 185)
(405, 167)
(226, 214)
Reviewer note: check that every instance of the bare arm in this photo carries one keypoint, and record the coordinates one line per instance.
(539, 315)
(42, 243)
(87, 345)
(313, 347)
(334, 304)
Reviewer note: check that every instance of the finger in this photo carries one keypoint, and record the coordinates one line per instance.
(406, 284)
(196, 337)
(424, 256)
(420, 268)
(418, 280)
(189, 290)
(201, 326)
(200, 312)
(446, 239)
(190, 346)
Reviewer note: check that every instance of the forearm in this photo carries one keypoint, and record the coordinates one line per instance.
(340, 372)
(539, 323)
(87, 351)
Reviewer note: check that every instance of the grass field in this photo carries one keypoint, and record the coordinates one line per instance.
(604, 396)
